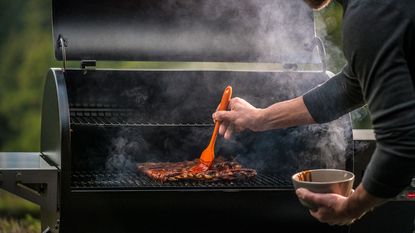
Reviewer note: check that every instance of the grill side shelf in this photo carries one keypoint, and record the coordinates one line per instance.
(28, 175)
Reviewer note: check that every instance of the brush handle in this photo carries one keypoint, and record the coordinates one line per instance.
(226, 98)
(223, 106)
(208, 155)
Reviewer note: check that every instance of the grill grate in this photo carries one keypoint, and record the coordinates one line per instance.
(130, 180)
(119, 121)
(122, 117)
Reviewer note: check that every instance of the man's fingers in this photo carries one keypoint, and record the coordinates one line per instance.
(223, 116)
(316, 198)
(229, 132)
(222, 128)
(314, 213)
(232, 104)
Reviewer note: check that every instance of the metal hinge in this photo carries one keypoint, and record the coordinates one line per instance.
(47, 230)
(317, 42)
(290, 67)
(63, 43)
(88, 65)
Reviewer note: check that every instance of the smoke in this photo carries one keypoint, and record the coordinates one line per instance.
(124, 150)
(335, 146)
(133, 145)
(267, 31)
(119, 159)
(360, 146)
(286, 151)
(273, 31)
(325, 146)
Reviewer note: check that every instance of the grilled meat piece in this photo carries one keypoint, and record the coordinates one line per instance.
(220, 170)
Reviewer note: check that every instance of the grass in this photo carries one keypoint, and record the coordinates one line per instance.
(16, 207)
(18, 215)
(25, 225)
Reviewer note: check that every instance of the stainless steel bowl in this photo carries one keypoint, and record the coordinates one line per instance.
(324, 181)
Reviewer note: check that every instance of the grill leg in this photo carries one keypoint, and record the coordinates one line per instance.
(37, 186)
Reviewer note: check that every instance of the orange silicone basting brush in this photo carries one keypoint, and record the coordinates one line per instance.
(208, 155)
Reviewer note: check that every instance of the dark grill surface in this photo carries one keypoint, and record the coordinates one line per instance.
(130, 180)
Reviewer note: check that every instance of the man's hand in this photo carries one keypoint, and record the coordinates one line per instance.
(242, 115)
(331, 207)
(335, 209)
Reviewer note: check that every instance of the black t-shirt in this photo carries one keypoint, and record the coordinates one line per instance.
(379, 46)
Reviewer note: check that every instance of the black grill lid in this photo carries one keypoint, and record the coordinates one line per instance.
(275, 31)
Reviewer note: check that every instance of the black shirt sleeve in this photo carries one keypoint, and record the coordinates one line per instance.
(334, 98)
(377, 43)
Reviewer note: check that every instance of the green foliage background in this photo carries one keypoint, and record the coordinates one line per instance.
(25, 55)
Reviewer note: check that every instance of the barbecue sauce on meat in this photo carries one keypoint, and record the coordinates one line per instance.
(220, 170)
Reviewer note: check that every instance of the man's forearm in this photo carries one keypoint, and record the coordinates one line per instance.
(361, 201)
(285, 114)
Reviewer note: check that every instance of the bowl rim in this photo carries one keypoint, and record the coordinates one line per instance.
(326, 182)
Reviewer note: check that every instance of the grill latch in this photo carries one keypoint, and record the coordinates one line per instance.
(88, 65)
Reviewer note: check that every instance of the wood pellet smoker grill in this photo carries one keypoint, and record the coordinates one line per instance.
(97, 123)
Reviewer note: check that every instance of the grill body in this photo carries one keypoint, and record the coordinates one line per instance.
(117, 118)
(98, 124)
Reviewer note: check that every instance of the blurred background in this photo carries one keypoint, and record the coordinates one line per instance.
(26, 54)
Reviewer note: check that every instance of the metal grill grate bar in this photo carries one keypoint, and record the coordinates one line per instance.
(131, 180)
(121, 117)
(117, 121)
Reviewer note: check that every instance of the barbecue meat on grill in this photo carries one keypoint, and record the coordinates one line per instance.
(220, 170)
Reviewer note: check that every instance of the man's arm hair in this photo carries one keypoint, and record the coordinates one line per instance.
(285, 114)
